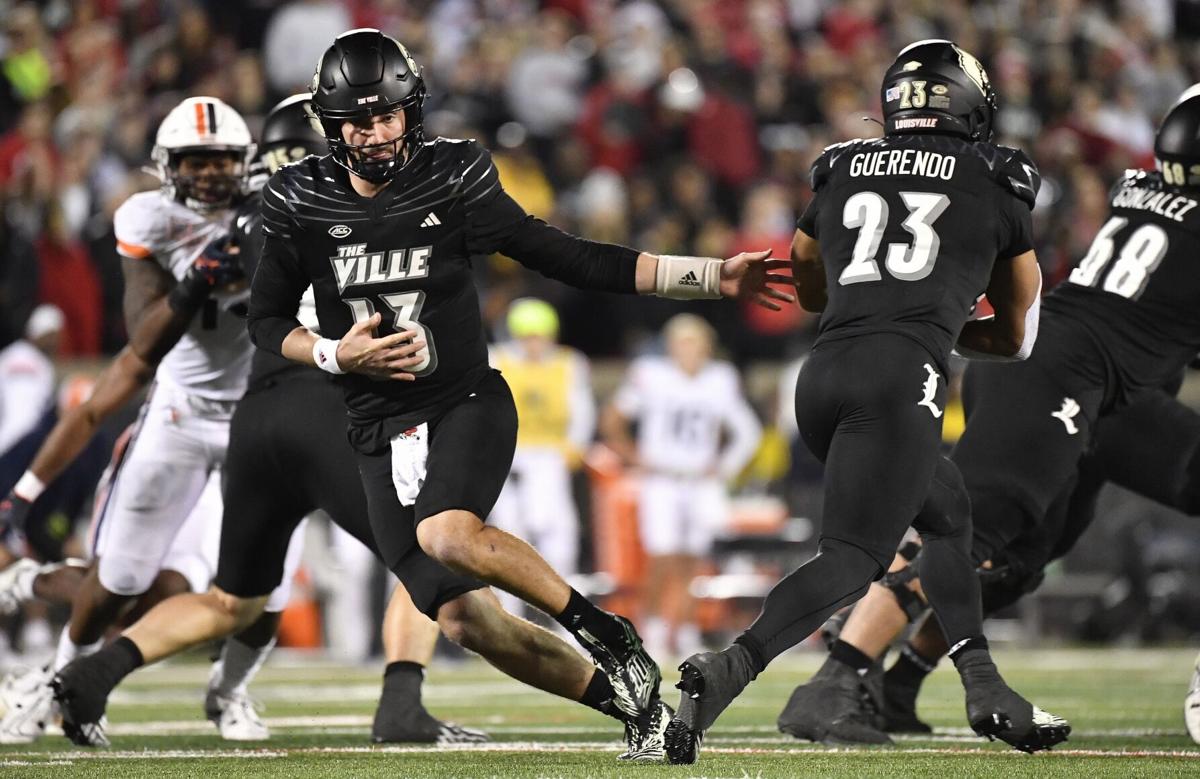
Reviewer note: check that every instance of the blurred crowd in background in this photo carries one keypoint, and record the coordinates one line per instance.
(676, 126)
(681, 126)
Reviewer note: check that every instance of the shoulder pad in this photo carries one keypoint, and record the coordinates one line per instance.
(141, 223)
(822, 167)
(248, 215)
(450, 155)
(1018, 174)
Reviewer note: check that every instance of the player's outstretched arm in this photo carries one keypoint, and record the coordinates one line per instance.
(1015, 294)
(157, 312)
(498, 224)
(808, 273)
(116, 385)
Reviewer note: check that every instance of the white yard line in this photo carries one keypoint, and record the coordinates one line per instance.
(58, 758)
(348, 723)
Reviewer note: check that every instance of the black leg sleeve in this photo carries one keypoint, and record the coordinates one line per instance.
(838, 575)
(947, 571)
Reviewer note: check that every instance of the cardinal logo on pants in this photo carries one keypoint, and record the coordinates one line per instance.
(930, 392)
(1066, 415)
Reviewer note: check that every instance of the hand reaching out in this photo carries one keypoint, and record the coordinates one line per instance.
(748, 276)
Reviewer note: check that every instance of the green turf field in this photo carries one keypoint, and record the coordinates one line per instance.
(1125, 705)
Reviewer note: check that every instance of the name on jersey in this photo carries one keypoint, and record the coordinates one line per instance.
(354, 265)
(1161, 203)
(903, 162)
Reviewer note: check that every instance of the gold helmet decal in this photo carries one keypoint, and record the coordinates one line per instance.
(910, 65)
(412, 65)
(973, 69)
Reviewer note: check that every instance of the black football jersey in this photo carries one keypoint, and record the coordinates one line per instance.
(1128, 314)
(406, 253)
(266, 367)
(909, 228)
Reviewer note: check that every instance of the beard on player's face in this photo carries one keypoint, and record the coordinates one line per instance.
(376, 138)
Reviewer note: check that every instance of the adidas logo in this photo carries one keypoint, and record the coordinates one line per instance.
(431, 220)
(690, 280)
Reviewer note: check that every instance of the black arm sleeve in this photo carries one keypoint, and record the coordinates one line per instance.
(498, 224)
(279, 281)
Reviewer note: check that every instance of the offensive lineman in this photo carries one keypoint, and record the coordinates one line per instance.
(432, 425)
(695, 434)
(1123, 325)
(954, 210)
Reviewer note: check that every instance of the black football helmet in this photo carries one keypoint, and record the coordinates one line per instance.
(363, 74)
(936, 87)
(288, 134)
(1177, 143)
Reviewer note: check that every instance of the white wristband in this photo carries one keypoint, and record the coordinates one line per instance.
(688, 278)
(325, 355)
(29, 486)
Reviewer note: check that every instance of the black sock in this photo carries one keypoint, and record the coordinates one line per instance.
(130, 655)
(848, 654)
(754, 649)
(116, 661)
(910, 668)
(974, 662)
(599, 695)
(581, 615)
(404, 677)
(400, 704)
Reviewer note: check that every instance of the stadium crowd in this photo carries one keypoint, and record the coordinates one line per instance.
(686, 125)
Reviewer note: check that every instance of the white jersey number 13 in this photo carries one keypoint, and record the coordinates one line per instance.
(406, 307)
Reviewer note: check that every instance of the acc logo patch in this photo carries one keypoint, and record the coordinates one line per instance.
(939, 89)
(340, 231)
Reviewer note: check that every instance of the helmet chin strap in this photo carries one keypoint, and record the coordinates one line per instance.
(978, 127)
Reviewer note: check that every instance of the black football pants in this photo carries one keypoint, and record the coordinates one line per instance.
(870, 408)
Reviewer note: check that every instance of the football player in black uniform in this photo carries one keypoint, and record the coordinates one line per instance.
(912, 228)
(1119, 329)
(264, 501)
(384, 229)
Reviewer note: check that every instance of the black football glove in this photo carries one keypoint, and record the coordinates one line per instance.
(13, 511)
(215, 268)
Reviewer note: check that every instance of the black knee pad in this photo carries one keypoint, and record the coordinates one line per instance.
(947, 510)
(909, 601)
(1006, 582)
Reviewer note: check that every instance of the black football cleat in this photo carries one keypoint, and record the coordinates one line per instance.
(82, 698)
(994, 710)
(1000, 713)
(711, 681)
(834, 707)
(415, 725)
(645, 736)
(897, 705)
(630, 669)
